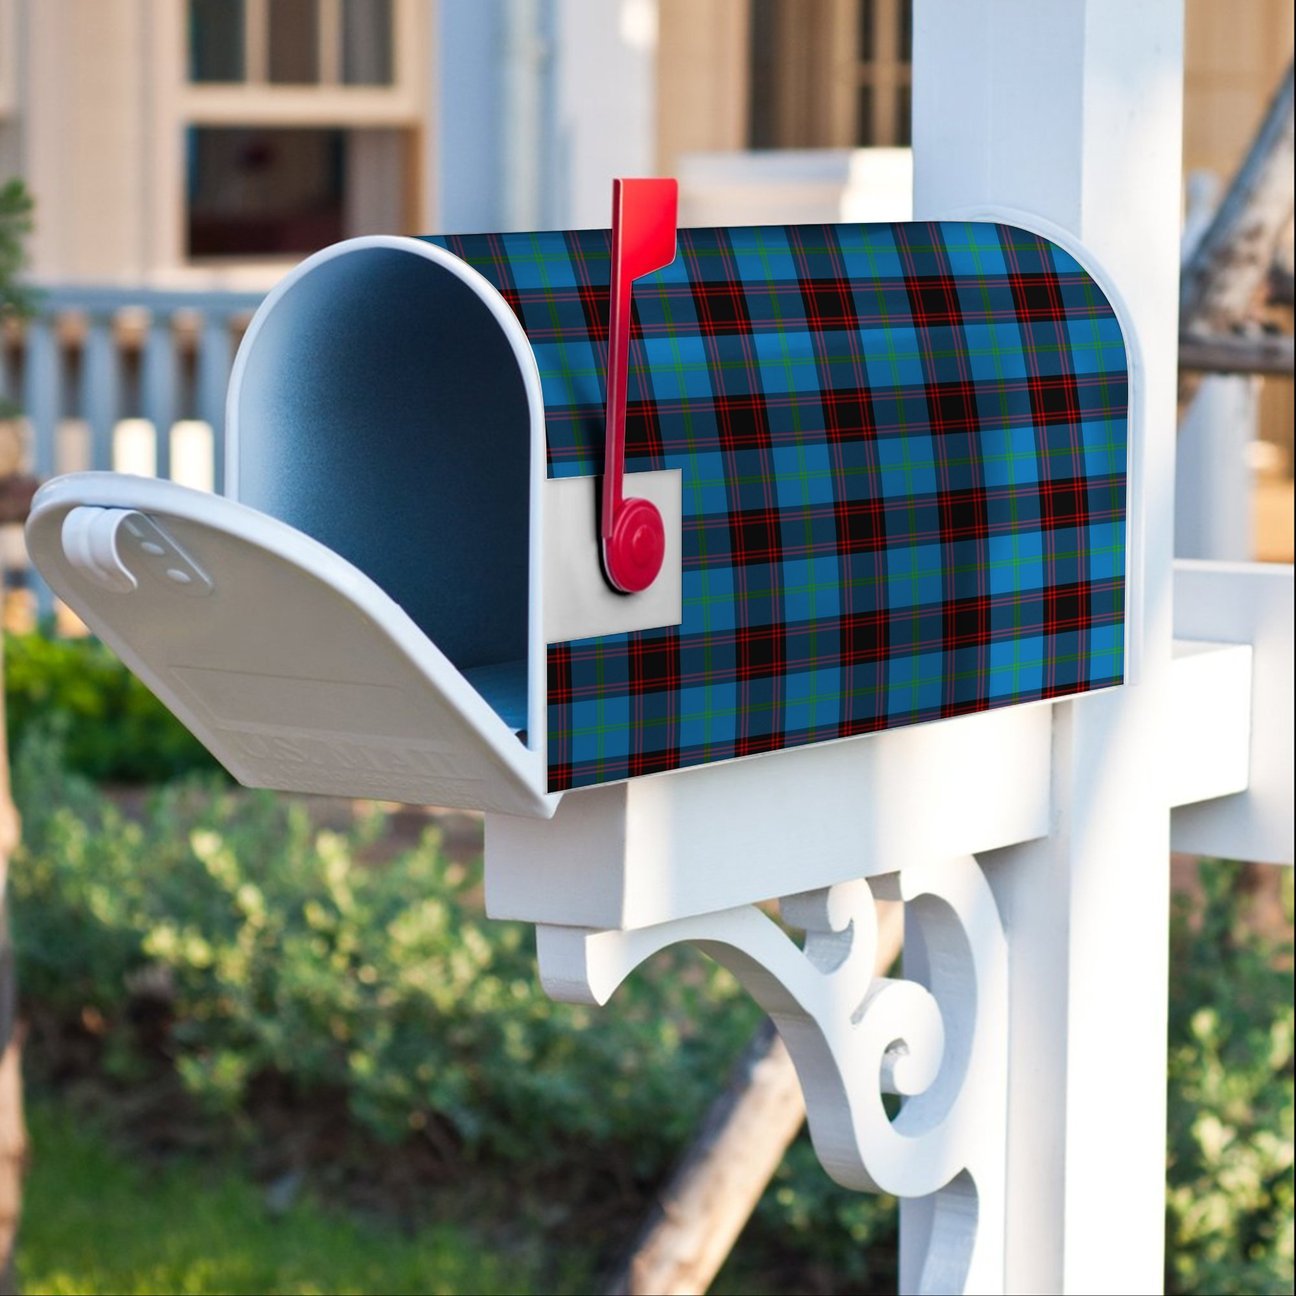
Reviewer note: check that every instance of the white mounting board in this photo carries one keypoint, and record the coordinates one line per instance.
(696, 841)
(1244, 603)
(1208, 748)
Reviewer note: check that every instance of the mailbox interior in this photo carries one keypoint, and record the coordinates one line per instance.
(384, 402)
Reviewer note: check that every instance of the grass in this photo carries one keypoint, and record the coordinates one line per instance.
(95, 1221)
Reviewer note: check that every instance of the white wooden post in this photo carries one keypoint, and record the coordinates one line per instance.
(1071, 114)
(1214, 514)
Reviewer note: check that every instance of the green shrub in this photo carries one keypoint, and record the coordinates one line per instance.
(1229, 1200)
(113, 728)
(282, 954)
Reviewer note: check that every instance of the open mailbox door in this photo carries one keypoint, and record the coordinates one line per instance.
(366, 620)
(293, 667)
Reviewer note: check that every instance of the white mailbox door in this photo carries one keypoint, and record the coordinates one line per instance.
(286, 661)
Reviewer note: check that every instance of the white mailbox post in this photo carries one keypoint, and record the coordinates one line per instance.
(1073, 112)
(399, 617)
(1032, 1157)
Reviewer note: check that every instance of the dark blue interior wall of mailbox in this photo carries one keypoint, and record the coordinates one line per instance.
(383, 412)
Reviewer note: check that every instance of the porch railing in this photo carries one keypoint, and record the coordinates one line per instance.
(125, 379)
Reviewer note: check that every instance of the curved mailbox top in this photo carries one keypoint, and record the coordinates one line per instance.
(903, 453)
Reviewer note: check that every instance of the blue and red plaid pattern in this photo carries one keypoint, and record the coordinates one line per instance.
(903, 451)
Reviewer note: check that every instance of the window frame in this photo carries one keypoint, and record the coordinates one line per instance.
(181, 104)
(255, 100)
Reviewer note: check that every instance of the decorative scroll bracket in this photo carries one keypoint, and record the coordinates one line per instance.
(938, 1037)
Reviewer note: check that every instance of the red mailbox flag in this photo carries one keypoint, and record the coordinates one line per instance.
(643, 240)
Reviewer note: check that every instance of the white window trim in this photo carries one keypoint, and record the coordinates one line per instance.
(329, 102)
(180, 104)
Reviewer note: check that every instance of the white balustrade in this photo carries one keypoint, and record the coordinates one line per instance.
(131, 380)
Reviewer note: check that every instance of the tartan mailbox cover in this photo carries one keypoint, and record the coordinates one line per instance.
(903, 456)
(900, 453)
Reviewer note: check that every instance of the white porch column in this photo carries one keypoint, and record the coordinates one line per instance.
(604, 93)
(1214, 510)
(1072, 112)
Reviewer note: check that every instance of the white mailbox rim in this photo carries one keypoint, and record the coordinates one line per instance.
(511, 329)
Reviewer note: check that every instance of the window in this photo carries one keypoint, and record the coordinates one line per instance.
(291, 42)
(297, 123)
(366, 42)
(256, 192)
(294, 42)
(216, 49)
(264, 192)
(830, 73)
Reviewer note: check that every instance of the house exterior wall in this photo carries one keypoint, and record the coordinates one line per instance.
(702, 80)
(94, 117)
(1233, 59)
(519, 110)
(82, 110)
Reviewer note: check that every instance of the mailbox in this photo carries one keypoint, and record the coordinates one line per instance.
(884, 467)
